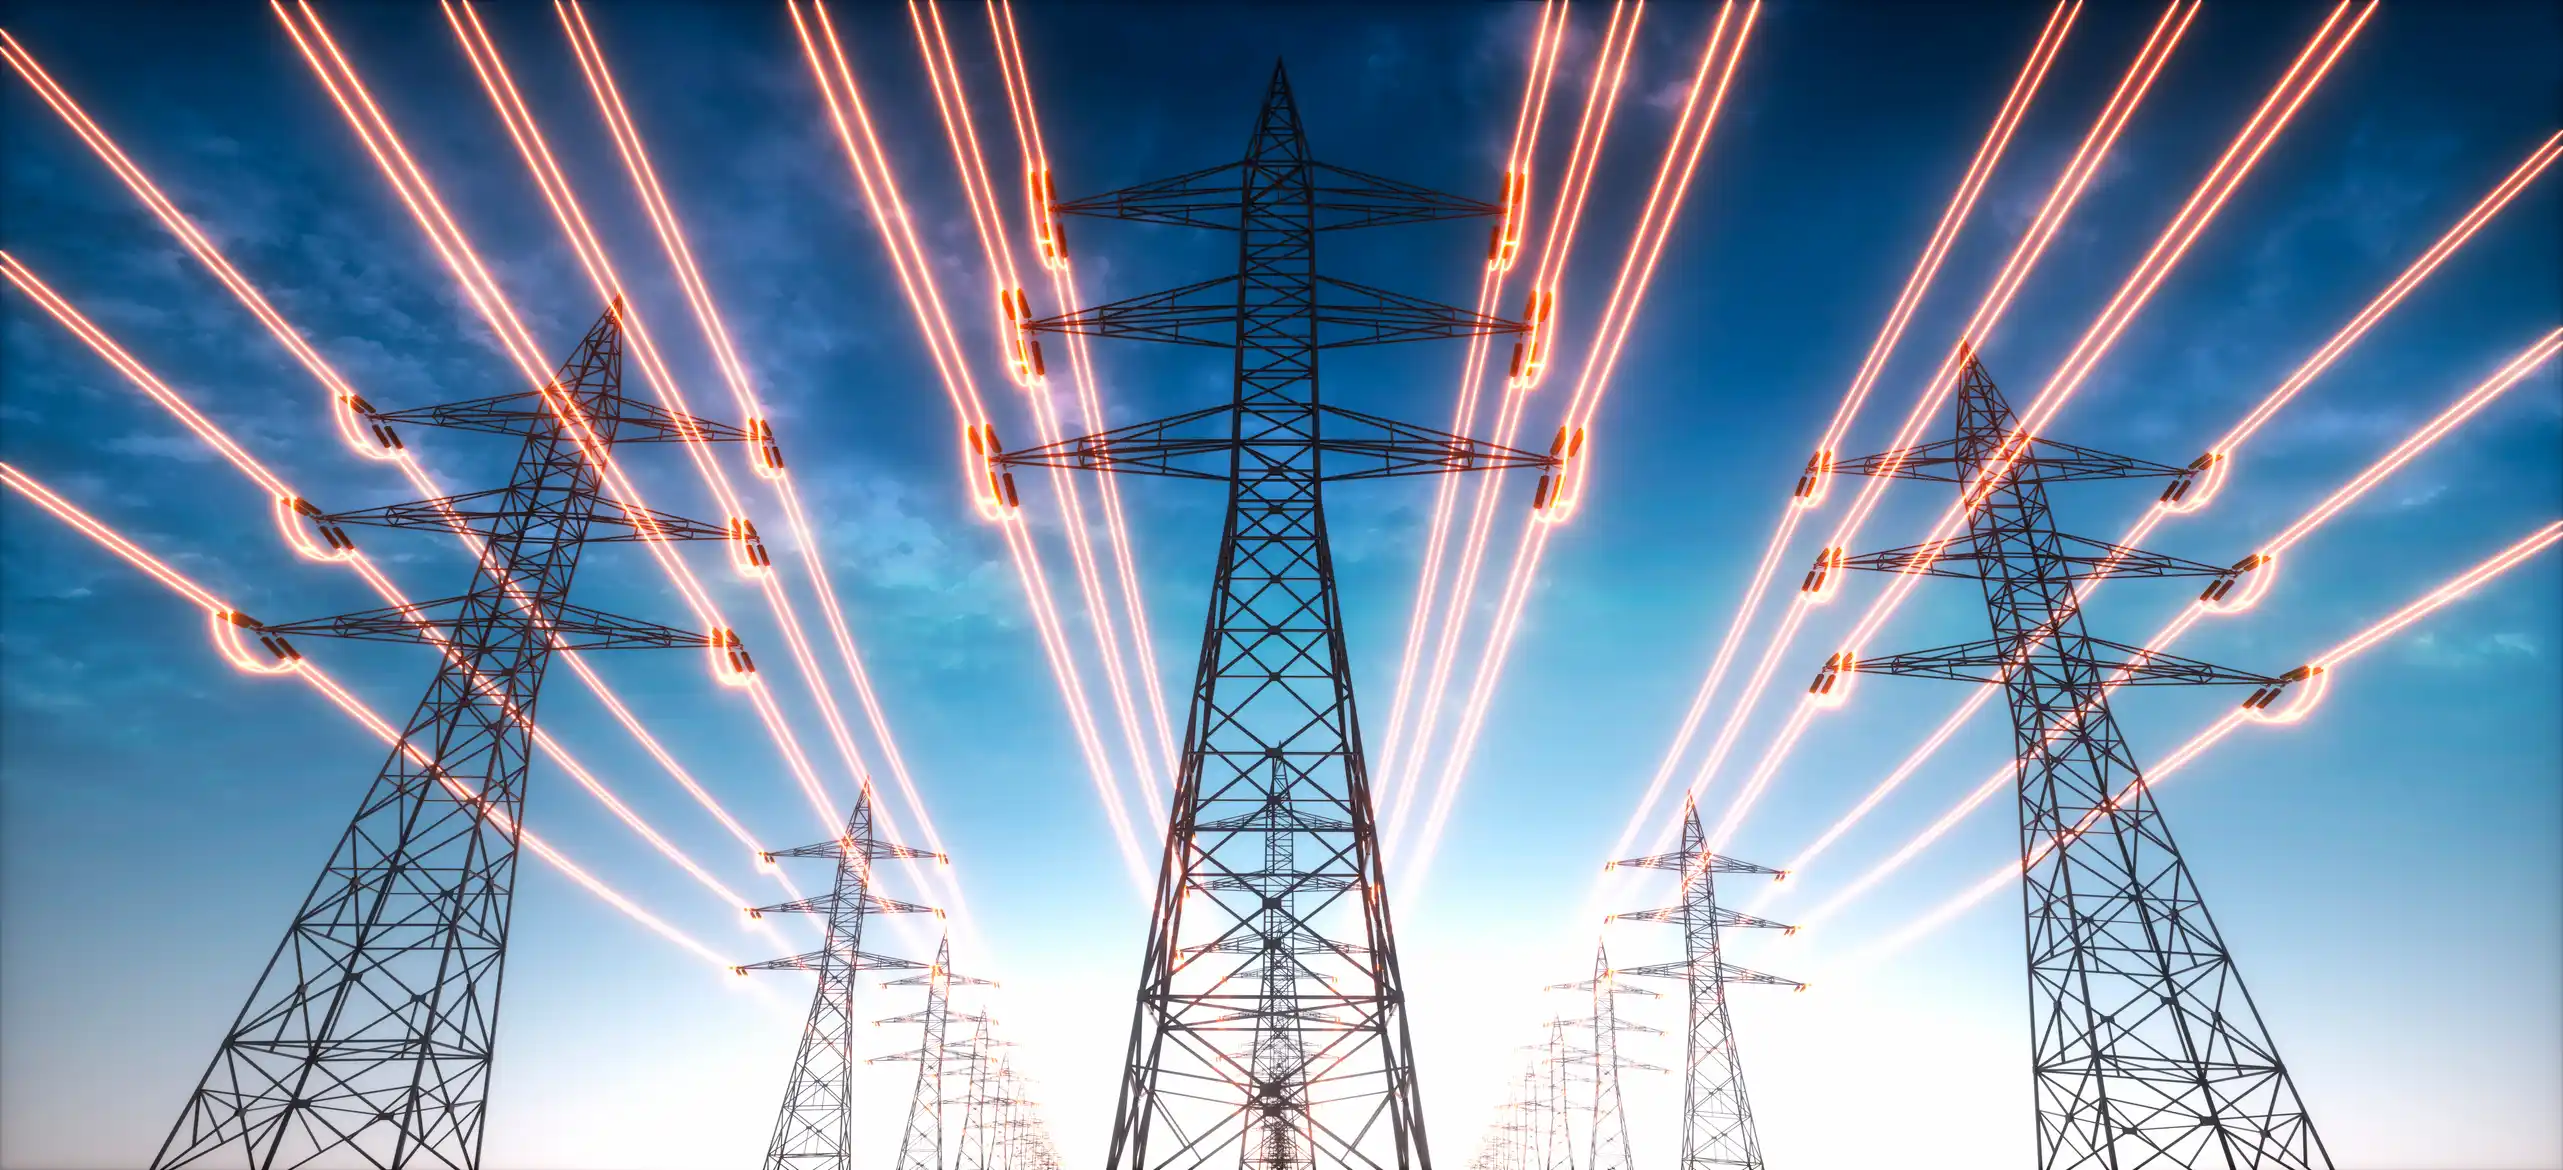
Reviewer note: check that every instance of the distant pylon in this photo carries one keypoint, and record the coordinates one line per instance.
(2146, 1050)
(982, 1103)
(1607, 1142)
(1717, 1117)
(921, 1145)
(1271, 1016)
(369, 1037)
(815, 1129)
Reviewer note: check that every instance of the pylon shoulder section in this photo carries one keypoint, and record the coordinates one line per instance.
(833, 901)
(2040, 458)
(527, 411)
(1726, 919)
(1362, 446)
(1995, 660)
(1343, 198)
(440, 622)
(2082, 557)
(1204, 313)
(826, 959)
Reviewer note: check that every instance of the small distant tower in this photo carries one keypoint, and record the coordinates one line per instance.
(921, 1146)
(1609, 1138)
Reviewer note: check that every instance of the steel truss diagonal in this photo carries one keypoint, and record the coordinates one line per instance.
(369, 1037)
(1270, 1028)
(1717, 1115)
(2146, 1050)
(815, 1128)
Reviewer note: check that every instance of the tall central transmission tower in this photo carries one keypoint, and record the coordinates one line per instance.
(1607, 1147)
(1271, 1018)
(368, 1039)
(1717, 1117)
(2146, 1049)
(815, 1128)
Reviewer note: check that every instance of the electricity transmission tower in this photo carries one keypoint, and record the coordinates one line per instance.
(1717, 1118)
(1608, 1140)
(368, 1038)
(921, 1145)
(1271, 1018)
(2146, 1049)
(982, 1116)
(815, 1129)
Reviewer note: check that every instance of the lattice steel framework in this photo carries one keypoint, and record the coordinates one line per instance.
(815, 1128)
(369, 1036)
(1717, 1115)
(1270, 1027)
(1607, 1142)
(921, 1144)
(2146, 1049)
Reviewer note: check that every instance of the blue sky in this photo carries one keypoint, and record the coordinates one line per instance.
(2388, 873)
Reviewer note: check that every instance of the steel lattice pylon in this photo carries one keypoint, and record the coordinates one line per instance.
(921, 1144)
(370, 1034)
(1271, 1020)
(1607, 1142)
(1717, 1116)
(815, 1128)
(2146, 1049)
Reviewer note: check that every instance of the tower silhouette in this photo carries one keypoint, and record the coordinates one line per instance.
(370, 1034)
(1717, 1116)
(815, 1128)
(2146, 1050)
(1607, 1142)
(1271, 1017)
(921, 1144)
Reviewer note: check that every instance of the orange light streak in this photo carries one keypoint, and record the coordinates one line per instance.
(1545, 46)
(1961, 207)
(1718, 58)
(345, 402)
(961, 131)
(1592, 130)
(2221, 455)
(2464, 407)
(303, 669)
(873, 176)
(1063, 284)
(2062, 197)
(2462, 585)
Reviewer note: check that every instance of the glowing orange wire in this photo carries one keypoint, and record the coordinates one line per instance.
(302, 668)
(2465, 583)
(1719, 57)
(1601, 102)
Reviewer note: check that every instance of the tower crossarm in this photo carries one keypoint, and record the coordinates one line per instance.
(1378, 448)
(2042, 459)
(483, 513)
(2081, 556)
(1726, 973)
(439, 622)
(831, 902)
(1343, 198)
(1204, 313)
(822, 960)
(1684, 862)
(1689, 915)
(527, 412)
(1992, 660)
(872, 849)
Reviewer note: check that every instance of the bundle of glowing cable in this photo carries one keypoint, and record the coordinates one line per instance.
(1962, 202)
(1727, 40)
(1022, 352)
(2456, 413)
(2323, 667)
(2271, 118)
(2062, 197)
(1592, 131)
(346, 405)
(2176, 502)
(1503, 248)
(410, 182)
(290, 516)
(870, 164)
(1063, 287)
(221, 614)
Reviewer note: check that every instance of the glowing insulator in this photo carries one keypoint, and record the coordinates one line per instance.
(2256, 706)
(1046, 237)
(1816, 480)
(1504, 240)
(1832, 685)
(755, 913)
(769, 454)
(1024, 357)
(1825, 578)
(227, 625)
(747, 549)
(1559, 491)
(356, 424)
(730, 662)
(334, 543)
(2255, 572)
(1530, 354)
(2196, 487)
(739, 971)
(992, 487)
